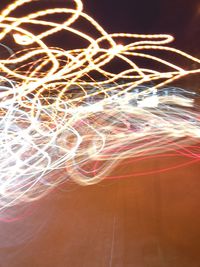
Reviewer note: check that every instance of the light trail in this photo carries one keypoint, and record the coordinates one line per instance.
(59, 122)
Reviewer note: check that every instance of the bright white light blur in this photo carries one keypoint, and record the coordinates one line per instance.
(59, 122)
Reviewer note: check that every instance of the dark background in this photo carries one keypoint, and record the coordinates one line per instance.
(177, 17)
(180, 18)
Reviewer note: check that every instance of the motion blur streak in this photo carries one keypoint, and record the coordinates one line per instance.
(65, 114)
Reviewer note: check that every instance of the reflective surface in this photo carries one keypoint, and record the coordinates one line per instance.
(141, 221)
(144, 221)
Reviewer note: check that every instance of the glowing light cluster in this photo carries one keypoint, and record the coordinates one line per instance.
(64, 113)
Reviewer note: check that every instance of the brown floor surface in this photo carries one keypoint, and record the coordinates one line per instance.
(144, 221)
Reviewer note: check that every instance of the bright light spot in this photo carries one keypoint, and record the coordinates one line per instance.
(59, 122)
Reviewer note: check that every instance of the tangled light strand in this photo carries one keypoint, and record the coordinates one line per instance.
(58, 121)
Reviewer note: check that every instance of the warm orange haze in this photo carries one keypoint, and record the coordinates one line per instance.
(66, 115)
(99, 140)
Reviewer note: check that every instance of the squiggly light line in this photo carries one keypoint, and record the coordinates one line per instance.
(57, 121)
